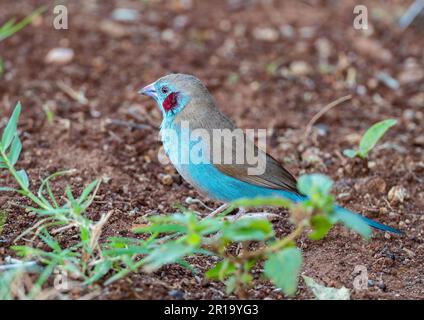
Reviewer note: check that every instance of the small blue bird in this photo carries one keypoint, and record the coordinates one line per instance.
(183, 99)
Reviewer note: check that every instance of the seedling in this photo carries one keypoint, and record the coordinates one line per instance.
(83, 259)
(11, 27)
(370, 139)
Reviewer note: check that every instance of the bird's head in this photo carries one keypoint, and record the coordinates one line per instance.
(173, 93)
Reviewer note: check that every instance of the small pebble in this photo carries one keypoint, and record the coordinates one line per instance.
(300, 68)
(166, 179)
(59, 56)
(265, 34)
(176, 294)
(397, 194)
(124, 14)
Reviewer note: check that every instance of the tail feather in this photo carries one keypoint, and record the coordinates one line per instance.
(371, 223)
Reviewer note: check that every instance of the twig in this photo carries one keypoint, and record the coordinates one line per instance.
(129, 124)
(77, 96)
(29, 265)
(316, 117)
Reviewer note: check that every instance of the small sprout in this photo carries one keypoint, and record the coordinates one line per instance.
(11, 27)
(49, 113)
(3, 218)
(370, 139)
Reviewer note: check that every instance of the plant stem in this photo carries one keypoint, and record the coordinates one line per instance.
(276, 246)
(25, 190)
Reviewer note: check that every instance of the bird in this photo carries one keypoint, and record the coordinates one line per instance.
(188, 107)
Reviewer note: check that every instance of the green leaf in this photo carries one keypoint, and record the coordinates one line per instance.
(10, 28)
(262, 202)
(86, 192)
(221, 270)
(48, 239)
(165, 254)
(15, 150)
(160, 228)
(248, 229)
(325, 293)
(23, 177)
(321, 225)
(350, 153)
(8, 189)
(373, 135)
(230, 284)
(100, 270)
(312, 183)
(353, 221)
(283, 269)
(10, 130)
(193, 239)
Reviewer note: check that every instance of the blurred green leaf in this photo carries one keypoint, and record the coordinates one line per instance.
(311, 183)
(353, 221)
(320, 225)
(167, 253)
(221, 270)
(10, 28)
(325, 293)
(262, 202)
(373, 135)
(100, 270)
(350, 153)
(193, 239)
(230, 284)
(160, 228)
(8, 189)
(283, 269)
(248, 229)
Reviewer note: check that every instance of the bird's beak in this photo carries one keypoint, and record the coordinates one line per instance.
(149, 91)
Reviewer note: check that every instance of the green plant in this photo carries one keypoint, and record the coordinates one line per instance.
(185, 234)
(84, 259)
(370, 139)
(11, 27)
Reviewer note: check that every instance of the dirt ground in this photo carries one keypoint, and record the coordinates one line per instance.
(269, 64)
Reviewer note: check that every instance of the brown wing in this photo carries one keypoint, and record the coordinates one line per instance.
(274, 177)
(208, 117)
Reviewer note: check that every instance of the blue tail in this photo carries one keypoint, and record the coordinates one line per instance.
(371, 223)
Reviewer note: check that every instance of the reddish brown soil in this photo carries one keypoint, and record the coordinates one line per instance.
(216, 41)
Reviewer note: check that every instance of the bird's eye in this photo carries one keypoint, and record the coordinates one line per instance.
(165, 89)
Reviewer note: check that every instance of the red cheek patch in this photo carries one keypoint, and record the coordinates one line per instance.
(170, 102)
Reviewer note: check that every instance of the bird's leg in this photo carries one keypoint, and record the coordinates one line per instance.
(218, 211)
(241, 212)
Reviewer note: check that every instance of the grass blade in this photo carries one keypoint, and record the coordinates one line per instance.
(10, 130)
